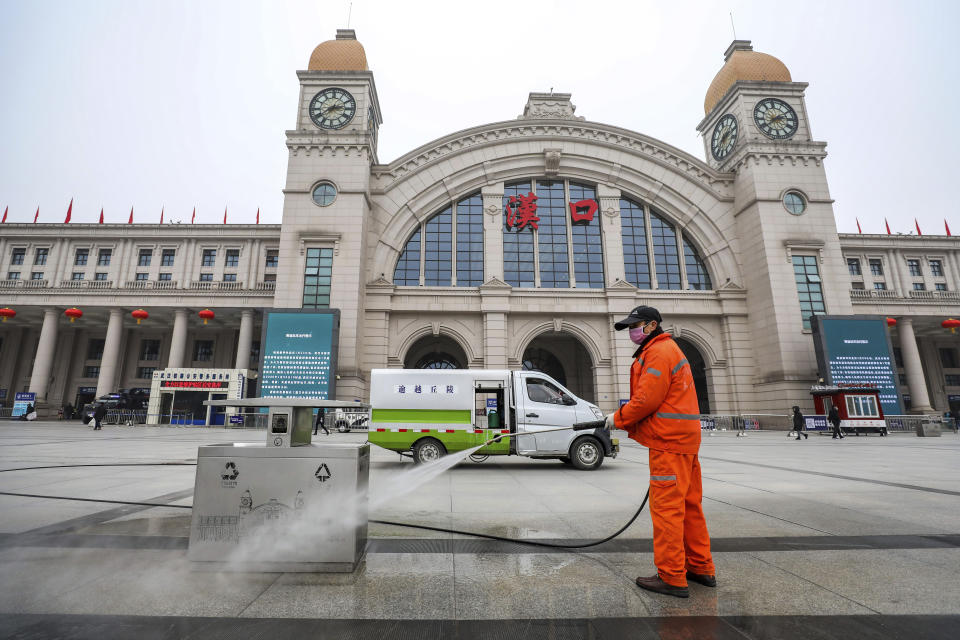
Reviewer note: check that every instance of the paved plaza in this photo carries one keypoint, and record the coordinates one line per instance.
(857, 538)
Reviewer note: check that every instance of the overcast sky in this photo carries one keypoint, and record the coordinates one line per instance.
(183, 103)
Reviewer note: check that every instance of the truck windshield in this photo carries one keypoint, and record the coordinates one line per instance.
(539, 390)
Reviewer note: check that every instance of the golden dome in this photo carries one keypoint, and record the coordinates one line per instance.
(343, 54)
(743, 63)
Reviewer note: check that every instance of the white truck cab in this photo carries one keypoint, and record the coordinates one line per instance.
(427, 413)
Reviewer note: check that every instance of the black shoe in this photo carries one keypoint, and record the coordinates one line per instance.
(655, 584)
(700, 578)
(806, 437)
(798, 437)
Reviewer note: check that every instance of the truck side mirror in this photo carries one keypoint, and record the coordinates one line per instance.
(567, 400)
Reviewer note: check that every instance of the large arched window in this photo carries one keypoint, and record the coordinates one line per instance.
(652, 248)
(551, 235)
(445, 250)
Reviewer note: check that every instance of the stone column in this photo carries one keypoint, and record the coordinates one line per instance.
(46, 348)
(245, 341)
(110, 362)
(919, 399)
(609, 202)
(178, 342)
(492, 231)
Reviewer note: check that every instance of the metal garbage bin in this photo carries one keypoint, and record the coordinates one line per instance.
(258, 507)
(929, 427)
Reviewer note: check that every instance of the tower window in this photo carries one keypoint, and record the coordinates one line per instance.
(316, 278)
(794, 202)
(809, 287)
(324, 194)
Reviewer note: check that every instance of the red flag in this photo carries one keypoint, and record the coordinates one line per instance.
(161, 215)
(194, 216)
(919, 233)
(858, 225)
(224, 215)
(69, 212)
(36, 215)
(8, 209)
(130, 221)
(944, 223)
(101, 215)
(258, 217)
(888, 226)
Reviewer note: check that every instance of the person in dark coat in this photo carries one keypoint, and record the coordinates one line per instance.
(98, 414)
(834, 418)
(321, 422)
(798, 422)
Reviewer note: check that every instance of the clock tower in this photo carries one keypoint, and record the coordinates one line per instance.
(326, 208)
(756, 127)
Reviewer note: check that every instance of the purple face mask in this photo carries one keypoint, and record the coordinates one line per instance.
(637, 336)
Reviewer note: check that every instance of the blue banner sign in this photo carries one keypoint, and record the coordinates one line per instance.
(816, 423)
(20, 403)
(855, 350)
(236, 419)
(298, 353)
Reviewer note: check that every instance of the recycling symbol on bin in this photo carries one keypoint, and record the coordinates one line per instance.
(230, 472)
(323, 473)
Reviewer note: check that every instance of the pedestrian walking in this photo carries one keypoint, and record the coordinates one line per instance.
(834, 418)
(98, 414)
(663, 414)
(799, 425)
(321, 422)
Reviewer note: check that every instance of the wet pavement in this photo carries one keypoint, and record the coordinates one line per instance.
(857, 538)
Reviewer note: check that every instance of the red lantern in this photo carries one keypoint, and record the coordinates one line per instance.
(950, 323)
(73, 313)
(139, 314)
(891, 322)
(6, 313)
(206, 314)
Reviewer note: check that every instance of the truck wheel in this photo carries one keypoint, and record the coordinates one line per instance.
(428, 450)
(586, 453)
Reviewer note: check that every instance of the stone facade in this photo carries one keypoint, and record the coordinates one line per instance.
(747, 329)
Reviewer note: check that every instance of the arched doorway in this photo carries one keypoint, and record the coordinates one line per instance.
(699, 370)
(435, 352)
(563, 358)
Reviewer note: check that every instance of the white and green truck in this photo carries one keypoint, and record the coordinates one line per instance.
(427, 413)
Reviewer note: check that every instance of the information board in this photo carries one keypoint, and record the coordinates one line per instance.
(21, 401)
(856, 350)
(298, 353)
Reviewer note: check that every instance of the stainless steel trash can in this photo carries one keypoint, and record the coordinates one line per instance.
(292, 509)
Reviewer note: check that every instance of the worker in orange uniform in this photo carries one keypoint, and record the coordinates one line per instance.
(663, 415)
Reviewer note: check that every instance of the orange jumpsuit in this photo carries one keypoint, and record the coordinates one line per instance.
(663, 415)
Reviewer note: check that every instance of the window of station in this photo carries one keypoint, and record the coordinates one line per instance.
(206, 277)
(167, 257)
(919, 286)
(941, 286)
(273, 258)
(80, 257)
(948, 358)
(91, 371)
(587, 242)
(665, 253)
(914, 267)
(36, 275)
(18, 256)
(936, 268)
(809, 287)
(103, 257)
(165, 277)
(853, 266)
(862, 407)
(95, 349)
(233, 258)
(76, 275)
(664, 246)
(145, 372)
(142, 277)
(952, 379)
(697, 276)
(317, 276)
(636, 258)
(13, 275)
(451, 247)
(229, 277)
(150, 350)
(437, 360)
(145, 257)
(209, 258)
(40, 257)
(551, 234)
(880, 286)
(202, 350)
(876, 267)
(518, 244)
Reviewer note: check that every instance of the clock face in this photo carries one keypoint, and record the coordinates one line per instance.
(775, 118)
(332, 108)
(724, 137)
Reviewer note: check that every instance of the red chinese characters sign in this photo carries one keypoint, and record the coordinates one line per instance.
(522, 211)
(583, 210)
(193, 384)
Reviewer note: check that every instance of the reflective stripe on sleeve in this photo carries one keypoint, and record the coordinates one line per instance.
(664, 478)
(653, 371)
(677, 368)
(679, 416)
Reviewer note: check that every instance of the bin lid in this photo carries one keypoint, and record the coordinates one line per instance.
(261, 450)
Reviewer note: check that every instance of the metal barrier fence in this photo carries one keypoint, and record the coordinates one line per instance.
(717, 422)
(125, 416)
